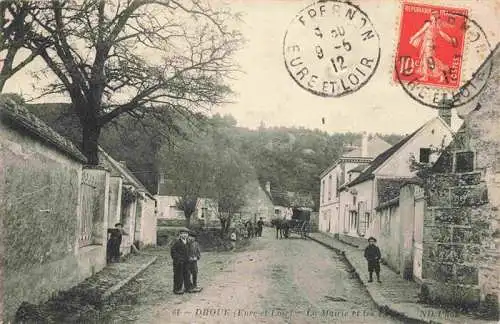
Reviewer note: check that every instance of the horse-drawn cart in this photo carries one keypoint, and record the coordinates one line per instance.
(299, 224)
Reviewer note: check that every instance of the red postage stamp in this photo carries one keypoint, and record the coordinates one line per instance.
(431, 44)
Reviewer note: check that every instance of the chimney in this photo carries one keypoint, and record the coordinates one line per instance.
(364, 145)
(268, 186)
(444, 111)
(123, 163)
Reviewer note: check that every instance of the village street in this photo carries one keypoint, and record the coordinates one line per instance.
(271, 281)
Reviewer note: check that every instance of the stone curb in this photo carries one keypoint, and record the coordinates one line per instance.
(377, 298)
(125, 281)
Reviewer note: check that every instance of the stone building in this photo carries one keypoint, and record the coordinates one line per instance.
(461, 234)
(344, 170)
(53, 211)
(137, 215)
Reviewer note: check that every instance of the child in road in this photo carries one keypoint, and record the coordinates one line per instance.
(372, 255)
(192, 264)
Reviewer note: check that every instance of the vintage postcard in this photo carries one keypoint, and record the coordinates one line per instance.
(249, 161)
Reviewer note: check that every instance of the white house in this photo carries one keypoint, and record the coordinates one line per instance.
(345, 169)
(167, 197)
(382, 179)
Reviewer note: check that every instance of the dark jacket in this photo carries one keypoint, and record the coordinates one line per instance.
(260, 224)
(179, 251)
(193, 251)
(372, 253)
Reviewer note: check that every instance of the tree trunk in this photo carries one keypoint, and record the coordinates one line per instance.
(222, 227)
(228, 224)
(91, 133)
(3, 80)
(188, 220)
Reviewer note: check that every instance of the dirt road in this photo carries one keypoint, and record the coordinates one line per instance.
(273, 281)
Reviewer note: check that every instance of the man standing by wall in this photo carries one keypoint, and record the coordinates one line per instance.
(179, 253)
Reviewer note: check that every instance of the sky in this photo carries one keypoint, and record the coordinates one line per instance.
(266, 93)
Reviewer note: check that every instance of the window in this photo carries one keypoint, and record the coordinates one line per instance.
(354, 220)
(323, 192)
(464, 162)
(337, 179)
(276, 211)
(368, 220)
(425, 154)
(330, 184)
(350, 176)
(354, 201)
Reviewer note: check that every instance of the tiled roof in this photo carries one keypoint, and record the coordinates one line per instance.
(359, 168)
(379, 160)
(20, 117)
(280, 198)
(118, 168)
(375, 146)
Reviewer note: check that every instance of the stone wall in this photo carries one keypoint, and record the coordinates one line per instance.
(41, 181)
(128, 218)
(388, 238)
(147, 234)
(461, 258)
(39, 212)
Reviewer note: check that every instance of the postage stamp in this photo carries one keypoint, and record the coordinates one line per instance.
(331, 48)
(439, 53)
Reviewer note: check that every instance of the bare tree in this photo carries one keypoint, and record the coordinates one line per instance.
(231, 175)
(15, 29)
(188, 206)
(136, 57)
(188, 170)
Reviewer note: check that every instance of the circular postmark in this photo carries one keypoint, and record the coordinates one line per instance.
(331, 48)
(441, 60)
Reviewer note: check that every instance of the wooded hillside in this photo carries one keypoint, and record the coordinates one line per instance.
(290, 158)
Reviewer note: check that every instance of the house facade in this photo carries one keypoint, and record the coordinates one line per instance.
(258, 203)
(382, 179)
(167, 196)
(137, 207)
(345, 169)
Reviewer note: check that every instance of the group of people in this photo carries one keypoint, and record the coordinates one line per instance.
(254, 230)
(185, 254)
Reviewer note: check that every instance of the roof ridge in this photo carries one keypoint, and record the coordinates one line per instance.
(23, 118)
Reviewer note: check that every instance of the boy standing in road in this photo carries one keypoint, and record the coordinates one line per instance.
(372, 255)
(192, 264)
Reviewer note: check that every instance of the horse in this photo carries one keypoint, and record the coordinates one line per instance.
(281, 226)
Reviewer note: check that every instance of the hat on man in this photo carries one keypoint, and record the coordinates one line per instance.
(183, 230)
(371, 238)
